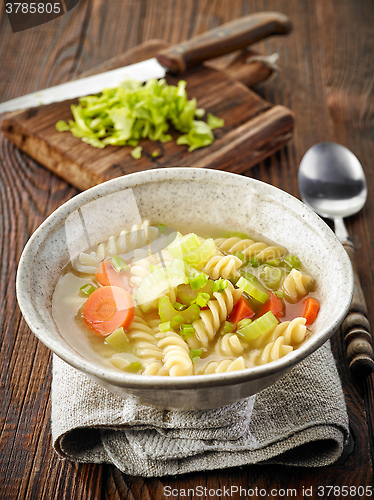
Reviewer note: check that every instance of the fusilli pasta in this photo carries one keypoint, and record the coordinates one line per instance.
(225, 266)
(295, 286)
(250, 248)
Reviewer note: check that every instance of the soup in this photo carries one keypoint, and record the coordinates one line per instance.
(154, 301)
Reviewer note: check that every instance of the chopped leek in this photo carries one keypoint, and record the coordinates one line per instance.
(87, 289)
(159, 282)
(200, 255)
(253, 288)
(279, 294)
(118, 340)
(136, 153)
(240, 255)
(179, 307)
(264, 324)
(186, 295)
(219, 285)
(271, 276)
(132, 111)
(165, 327)
(119, 264)
(186, 331)
(254, 262)
(195, 354)
(183, 245)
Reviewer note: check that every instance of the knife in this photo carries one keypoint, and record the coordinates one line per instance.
(222, 40)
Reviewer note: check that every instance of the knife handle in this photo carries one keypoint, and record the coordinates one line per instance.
(224, 39)
(356, 327)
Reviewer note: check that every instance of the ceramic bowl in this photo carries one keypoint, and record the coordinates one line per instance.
(190, 198)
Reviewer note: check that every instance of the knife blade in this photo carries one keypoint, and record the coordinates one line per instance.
(219, 41)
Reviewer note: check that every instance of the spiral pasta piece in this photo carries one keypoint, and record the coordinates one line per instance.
(295, 286)
(225, 266)
(143, 339)
(138, 236)
(175, 354)
(229, 345)
(226, 365)
(210, 319)
(250, 248)
(271, 352)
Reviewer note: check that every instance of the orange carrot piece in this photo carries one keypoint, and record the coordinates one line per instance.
(108, 308)
(241, 311)
(273, 304)
(311, 309)
(106, 275)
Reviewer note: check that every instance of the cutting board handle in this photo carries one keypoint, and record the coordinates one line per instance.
(224, 39)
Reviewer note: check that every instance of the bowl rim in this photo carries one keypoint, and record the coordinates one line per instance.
(134, 381)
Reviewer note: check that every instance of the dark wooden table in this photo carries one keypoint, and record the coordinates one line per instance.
(327, 79)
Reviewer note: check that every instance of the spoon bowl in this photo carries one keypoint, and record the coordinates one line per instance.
(332, 183)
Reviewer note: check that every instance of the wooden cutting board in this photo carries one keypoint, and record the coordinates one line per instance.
(254, 129)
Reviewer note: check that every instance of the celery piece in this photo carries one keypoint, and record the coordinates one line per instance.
(200, 255)
(264, 324)
(118, 339)
(275, 262)
(135, 366)
(183, 245)
(165, 327)
(227, 327)
(167, 312)
(87, 289)
(244, 322)
(279, 294)
(119, 264)
(292, 261)
(176, 322)
(186, 295)
(254, 262)
(271, 276)
(179, 307)
(240, 255)
(219, 285)
(195, 354)
(199, 280)
(253, 288)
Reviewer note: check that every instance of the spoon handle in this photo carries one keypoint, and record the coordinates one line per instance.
(356, 327)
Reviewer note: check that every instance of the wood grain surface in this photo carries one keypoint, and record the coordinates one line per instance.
(253, 129)
(326, 79)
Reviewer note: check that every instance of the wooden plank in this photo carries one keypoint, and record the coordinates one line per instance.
(245, 115)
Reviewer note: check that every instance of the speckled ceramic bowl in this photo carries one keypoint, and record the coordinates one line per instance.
(183, 197)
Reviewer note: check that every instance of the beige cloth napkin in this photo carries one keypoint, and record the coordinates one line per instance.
(300, 420)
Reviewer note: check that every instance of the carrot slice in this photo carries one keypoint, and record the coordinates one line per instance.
(273, 304)
(108, 308)
(311, 309)
(241, 311)
(106, 275)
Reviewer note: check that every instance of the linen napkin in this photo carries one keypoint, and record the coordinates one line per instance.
(300, 420)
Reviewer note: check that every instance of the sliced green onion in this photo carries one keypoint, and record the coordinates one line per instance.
(279, 294)
(253, 288)
(240, 255)
(161, 228)
(165, 327)
(195, 354)
(119, 264)
(271, 276)
(167, 312)
(292, 261)
(118, 339)
(227, 327)
(135, 366)
(254, 262)
(219, 285)
(155, 154)
(264, 324)
(202, 299)
(87, 289)
(198, 281)
(275, 262)
(186, 331)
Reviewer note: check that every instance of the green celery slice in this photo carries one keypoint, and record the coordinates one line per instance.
(118, 340)
(271, 276)
(158, 283)
(253, 288)
(183, 245)
(260, 326)
(202, 254)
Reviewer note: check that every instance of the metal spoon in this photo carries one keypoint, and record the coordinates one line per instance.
(332, 183)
